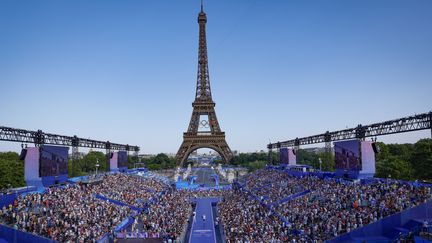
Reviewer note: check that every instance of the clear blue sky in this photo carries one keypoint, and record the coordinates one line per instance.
(125, 71)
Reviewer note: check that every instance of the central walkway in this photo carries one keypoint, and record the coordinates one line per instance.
(203, 231)
(204, 176)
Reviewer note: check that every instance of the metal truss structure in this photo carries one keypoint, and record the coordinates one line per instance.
(39, 138)
(400, 125)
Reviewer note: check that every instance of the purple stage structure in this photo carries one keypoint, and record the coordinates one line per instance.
(118, 161)
(283, 156)
(354, 159)
(122, 161)
(31, 168)
(46, 166)
(53, 164)
(113, 162)
(292, 158)
(287, 156)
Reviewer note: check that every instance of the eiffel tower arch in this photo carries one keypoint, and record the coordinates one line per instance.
(204, 130)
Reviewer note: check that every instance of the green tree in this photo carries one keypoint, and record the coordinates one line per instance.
(328, 161)
(88, 163)
(159, 162)
(394, 167)
(402, 151)
(421, 159)
(252, 166)
(305, 157)
(384, 151)
(11, 170)
(405, 161)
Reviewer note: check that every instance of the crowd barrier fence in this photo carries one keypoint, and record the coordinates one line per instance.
(7, 199)
(290, 197)
(390, 227)
(101, 197)
(124, 224)
(104, 239)
(15, 236)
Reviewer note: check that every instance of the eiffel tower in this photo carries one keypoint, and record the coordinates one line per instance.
(204, 130)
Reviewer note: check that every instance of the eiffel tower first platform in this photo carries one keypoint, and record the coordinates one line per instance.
(204, 130)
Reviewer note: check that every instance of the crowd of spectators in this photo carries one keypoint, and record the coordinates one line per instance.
(72, 213)
(168, 216)
(334, 208)
(130, 189)
(254, 211)
(66, 214)
(272, 185)
(246, 220)
(331, 208)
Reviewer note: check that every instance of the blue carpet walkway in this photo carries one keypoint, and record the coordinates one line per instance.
(203, 231)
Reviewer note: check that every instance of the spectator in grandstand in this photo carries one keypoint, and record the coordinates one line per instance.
(332, 207)
(73, 213)
(168, 216)
(64, 214)
(335, 208)
(130, 189)
(246, 220)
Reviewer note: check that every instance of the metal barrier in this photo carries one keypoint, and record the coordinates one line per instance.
(391, 227)
(16, 236)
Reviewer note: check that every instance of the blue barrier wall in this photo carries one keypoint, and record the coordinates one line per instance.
(104, 239)
(51, 180)
(124, 224)
(7, 199)
(13, 235)
(117, 202)
(290, 197)
(386, 226)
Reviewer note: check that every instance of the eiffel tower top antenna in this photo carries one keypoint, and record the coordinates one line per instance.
(203, 91)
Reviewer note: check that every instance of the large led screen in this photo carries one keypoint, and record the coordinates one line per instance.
(347, 155)
(53, 161)
(122, 159)
(283, 155)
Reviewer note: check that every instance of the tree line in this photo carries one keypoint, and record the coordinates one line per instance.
(87, 164)
(398, 161)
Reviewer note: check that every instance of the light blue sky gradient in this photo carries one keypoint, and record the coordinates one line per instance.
(125, 71)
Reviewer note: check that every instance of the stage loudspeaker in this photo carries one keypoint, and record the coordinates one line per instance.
(111, 155)
(23, 154)
(375, 148)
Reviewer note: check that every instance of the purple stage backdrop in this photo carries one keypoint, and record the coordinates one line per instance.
(283, 155)
(122, 161)
(31, 166)
(53, 160)
(367, 158)
(347, 155)
(113, 162)
(292, 157)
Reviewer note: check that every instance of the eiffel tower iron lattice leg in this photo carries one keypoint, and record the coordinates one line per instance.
(203, 106)
(192, 143)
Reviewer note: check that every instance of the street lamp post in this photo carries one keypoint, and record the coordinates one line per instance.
(97, 165)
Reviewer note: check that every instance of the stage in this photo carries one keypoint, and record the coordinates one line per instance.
(203, 231)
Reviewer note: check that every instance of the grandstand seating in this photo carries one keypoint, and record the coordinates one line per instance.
(265, 205)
